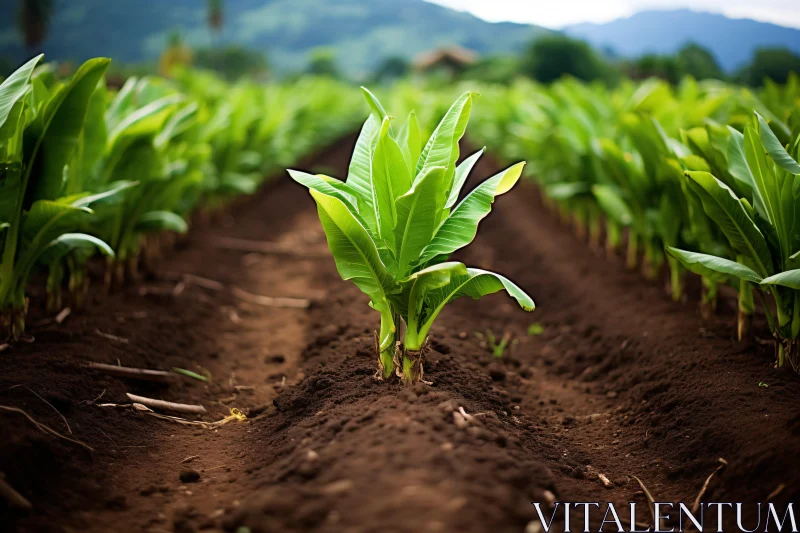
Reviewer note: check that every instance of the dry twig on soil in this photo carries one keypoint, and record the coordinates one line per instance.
(121, 340)
(13, 497)
(650, 500)
(263, 247)
(776, 492)
(43, 428)
(142, 374)
(48, 403)
(62, 316)
(236, 414)
(722, 464)
(168, 406)
(265, 301)
(268, 301)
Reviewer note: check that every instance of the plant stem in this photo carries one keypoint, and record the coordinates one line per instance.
(613, 237)
(412, 365)
(675, 278)
(564, 213)
(632, 260)
(744, 324)
(386, 344)
(653, 260)
(595, 228)
(579, 222)
(78, 283)
(55, 277)
(708, 298)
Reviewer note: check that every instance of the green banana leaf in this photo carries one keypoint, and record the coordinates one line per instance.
(158, 221)
(417, 217)
(353, 249)
(57, 131)
(729, 214)
(460, 228)
(712, 267)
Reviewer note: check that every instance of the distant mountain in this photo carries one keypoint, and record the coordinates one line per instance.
(362, 31)
(732, 41)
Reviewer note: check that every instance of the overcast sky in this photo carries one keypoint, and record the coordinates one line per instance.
(562, 12)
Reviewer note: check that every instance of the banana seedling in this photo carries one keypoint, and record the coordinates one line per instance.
(394, 223)
(39, 131)
(762, 234)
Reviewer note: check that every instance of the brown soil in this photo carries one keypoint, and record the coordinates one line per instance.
(622, 382)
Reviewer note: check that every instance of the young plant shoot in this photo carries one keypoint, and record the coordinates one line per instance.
(759, 229)
(39, 131)
(392, 226)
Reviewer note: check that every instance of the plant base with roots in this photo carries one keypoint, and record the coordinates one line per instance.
(787, 353)
(120, 272)
(708, 299)
(410, 369)
(12, 323)
(79, 288)
(744, 326)
(386, 360)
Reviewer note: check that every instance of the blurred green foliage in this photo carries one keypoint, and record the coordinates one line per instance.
(772, 63)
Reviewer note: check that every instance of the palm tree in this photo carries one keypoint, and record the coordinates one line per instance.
(33, 19)
(215, 17)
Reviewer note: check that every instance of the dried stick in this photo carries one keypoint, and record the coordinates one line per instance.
(48, 403)
(650, 501)
(43, 428)
(121, 340)
(236, 415)
(62, 316)
(722, 464)
(206, 283)
(168, 406)
(263, 247)
(14, 497)
(267, 301)
(142, 374)
(775, 493)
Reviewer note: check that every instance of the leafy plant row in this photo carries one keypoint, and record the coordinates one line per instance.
(701, 178)
(86, 170)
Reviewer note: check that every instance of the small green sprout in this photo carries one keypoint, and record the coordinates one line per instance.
(535, 329)
(496, 346)
(191, 374)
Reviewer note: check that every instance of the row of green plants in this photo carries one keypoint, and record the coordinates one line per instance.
(701, 178)
(86, 170)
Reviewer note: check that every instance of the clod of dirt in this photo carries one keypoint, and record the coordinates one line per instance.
(338, 487)
(459, 420)
(116, 503)
(533, 527)
(497, 372)
(448, 406)
(189, 476)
